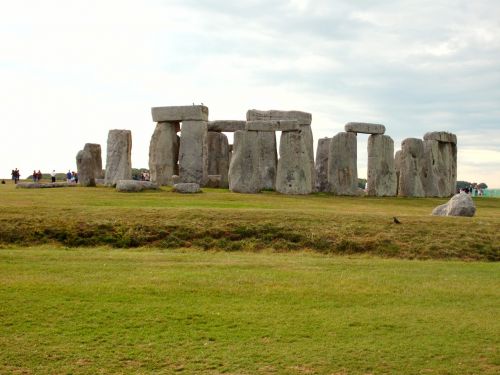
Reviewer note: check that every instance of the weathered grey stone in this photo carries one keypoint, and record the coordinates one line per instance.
(95, 151)
(180, 113)
(130, 186)
(176, 179)
(303, 118)
(85, 168)
(187, 188)
(193, 152)
(309, 142)
(218, 157)
(294, 169)
(163, 153)
(118, 157)
(382, 179)
(342, 164)
(364, 127)
(440, 168)
(412, 168)
(397, 168)
(226, 126)
(273, 125)
(37, 185)
(244, 175)
(459, 205)
(267, 154)
(441, 137)
(322, 152)
(213, 181)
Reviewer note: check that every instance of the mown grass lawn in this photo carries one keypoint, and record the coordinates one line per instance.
(101, 310)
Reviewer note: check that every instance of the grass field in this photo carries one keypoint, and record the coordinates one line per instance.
(95, 281)
(88, 311)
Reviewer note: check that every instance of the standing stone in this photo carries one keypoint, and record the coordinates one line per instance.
(294, 169)
(322, 164)
(267, 155)
(85, 168)
(440, 152)
(244, 176)
(397, 168)
(309, 143)
(412, 173)
(218, 157)
(342, 164)
(95, 151)
(163, 153)
(193, 158)
(382, 179)
(118, 157)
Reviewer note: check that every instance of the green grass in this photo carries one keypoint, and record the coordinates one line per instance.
(94, 310)
(221, 220)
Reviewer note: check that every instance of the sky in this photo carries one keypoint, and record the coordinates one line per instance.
(72, 70)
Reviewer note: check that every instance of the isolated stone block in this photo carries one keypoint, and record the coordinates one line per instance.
(193, 152)
(85, 168)
(342, 164)
(118, 157)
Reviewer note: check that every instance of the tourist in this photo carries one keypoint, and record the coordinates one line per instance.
(39, 175)
(34, 176)
(15, 175)
(69, 175)
(74, 177)
(53, 175)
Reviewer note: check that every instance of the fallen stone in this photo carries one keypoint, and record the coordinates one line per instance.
(213, 181)
(193, 152)
(130, 186)
(364, 127)
(321, 167)
(411, 168)
(226, 126)
(382, 179)
(37, 185)
(118, 158)
(294, 171)
(273, 125)
(85, 168)
(180, 113)
(441, 137)
(187, 188)
(218, 157)
(459, 205)
(342, 164)
(95, 151)
(163, 153)
(303, 118)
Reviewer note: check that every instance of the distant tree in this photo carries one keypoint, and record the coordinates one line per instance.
(137, 172)
(482, 185)
(462, 185)
(361, 183)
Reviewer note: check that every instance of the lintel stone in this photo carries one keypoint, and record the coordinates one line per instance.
(303, 118)
(441, 137)
(273, 125)
(364, 127)
(180, 113)
(226, 125)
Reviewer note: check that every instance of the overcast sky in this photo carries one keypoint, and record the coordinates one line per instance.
(72, 70)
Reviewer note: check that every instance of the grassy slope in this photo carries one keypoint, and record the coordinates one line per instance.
(149, 311)
(219, 219)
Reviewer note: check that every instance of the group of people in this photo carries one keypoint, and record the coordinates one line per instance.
(15, 175)
(37, 176)
(145, 176)
(72, 177)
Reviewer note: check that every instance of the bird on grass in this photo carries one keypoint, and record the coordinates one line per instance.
(396, 221)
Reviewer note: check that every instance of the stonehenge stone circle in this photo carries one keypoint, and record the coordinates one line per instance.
(321, 167)
(95, 151)
(118, 157)
(459, 205)
(226, 126)
(411, 168)
(218, 157)
(382, 179)
(193, 158)
(85, 167)
(294, 169)
(364, 127)
(342, 164)
(180, 113)
(163, 153)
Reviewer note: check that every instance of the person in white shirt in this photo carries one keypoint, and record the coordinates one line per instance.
(53, 175)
